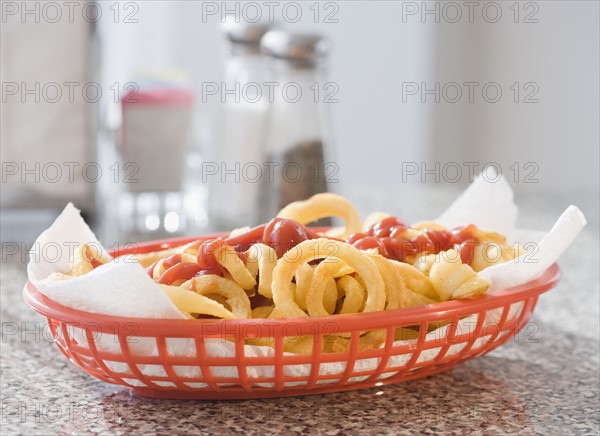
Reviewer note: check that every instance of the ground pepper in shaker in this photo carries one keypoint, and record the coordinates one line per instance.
(296, 136)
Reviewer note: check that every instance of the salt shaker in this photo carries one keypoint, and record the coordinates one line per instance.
(296, 146)
(234, 181)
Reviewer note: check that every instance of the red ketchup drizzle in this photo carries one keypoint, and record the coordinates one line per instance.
(280, 234)
(463, 237)
(150, 269)
(167, 262)
(95, 263)
(172, 260)
(385, 227)
(244, 241)
(206, 256)
(386, 236)
(183, 270)
(366, 242)
(283, 235)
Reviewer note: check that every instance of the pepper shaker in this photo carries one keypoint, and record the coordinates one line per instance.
(296, 140)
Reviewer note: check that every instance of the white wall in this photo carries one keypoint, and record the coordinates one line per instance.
(376, 48)
(44, 126)
(559, 54)
(368, 65)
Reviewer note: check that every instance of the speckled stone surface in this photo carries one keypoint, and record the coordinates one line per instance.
(545, 383)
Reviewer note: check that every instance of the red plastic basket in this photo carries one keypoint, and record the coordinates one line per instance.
(472, 328)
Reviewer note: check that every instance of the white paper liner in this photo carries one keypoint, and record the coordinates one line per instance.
(124, 289)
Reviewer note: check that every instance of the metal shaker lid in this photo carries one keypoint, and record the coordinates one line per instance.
(243, 32)
(298, 48)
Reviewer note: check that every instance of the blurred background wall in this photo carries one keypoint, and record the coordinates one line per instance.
(40, 122)
(420, 84)
(378, 46)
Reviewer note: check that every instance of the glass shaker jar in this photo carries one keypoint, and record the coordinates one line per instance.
(234, 178)
(296, 141)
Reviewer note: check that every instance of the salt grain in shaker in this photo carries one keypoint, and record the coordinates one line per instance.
(296, 141)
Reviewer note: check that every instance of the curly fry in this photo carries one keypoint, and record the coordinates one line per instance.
(319, 249)
(323, 206)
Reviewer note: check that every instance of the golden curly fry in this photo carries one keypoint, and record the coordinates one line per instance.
(262, 311)
(323, 206)
(368, 341)
(414, 299)
(330, 296)
(213, 284)
(303, 278)
(421, 225)
(85, 257)
(265, 259)
(147, 259)
(492, 248)
(190, 302)
(415, 280)
(229, 259)
(354, 294)
(453, 279)
(319, 249)
(341, 269)
(395, 288)
(322, 293)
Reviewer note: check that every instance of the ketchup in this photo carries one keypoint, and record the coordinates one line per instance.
(368, 242)
(244, 241)
(206, 256)
(387, 237)
(386, 226)
(467, 242)
(183, 270)
(282, 235)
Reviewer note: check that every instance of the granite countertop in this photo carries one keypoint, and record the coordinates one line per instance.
(546, 384)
